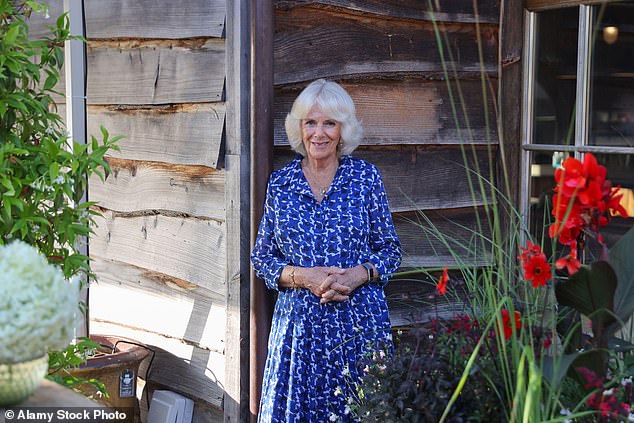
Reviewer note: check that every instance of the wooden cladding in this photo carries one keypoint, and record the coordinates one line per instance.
(445, 11)
(136, 186)
(186, 135)
(142, 18)
(155, 74)
(418, 178)
(413, 111)
(181, 247)
(311, 43)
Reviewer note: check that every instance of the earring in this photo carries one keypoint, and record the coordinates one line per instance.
(339, 145)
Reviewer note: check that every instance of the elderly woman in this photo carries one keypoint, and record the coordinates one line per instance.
(327, 244)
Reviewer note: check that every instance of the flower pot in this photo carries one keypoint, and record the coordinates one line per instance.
(19, 380)
(117, 368)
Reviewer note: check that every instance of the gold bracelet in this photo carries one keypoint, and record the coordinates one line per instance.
(293, 278)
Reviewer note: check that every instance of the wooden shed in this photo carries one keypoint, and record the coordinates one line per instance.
(200, 90)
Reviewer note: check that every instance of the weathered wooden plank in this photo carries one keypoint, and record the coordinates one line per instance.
(189, 370)
(158, 303)
(418, 178)
(157, 74)
(237, 201)
(154, 19)
(188, 135)
(142, 19)
(369, 46)
(410, 111)
(135, 186)
(512, 30)
(185, 248)
(445, 11)
(413, 300)
(443, 238)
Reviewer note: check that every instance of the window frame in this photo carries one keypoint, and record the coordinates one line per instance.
(582, 92)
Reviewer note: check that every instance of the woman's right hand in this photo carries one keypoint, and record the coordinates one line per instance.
(313, 278)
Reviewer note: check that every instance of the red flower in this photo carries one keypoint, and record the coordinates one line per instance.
(536, 267)
(508, 326)
(569, 262)
(585, 199)
(441, 287)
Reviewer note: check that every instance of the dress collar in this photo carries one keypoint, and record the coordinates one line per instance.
(297, 181)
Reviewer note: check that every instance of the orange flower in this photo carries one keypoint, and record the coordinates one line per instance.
(508, 326)
(441, 287)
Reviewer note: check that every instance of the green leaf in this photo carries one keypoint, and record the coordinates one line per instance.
(12, 34)
(591, 292)
(620, 257)
(53, 170)
(556, 367)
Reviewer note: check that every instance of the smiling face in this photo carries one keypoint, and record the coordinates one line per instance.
(320, 135)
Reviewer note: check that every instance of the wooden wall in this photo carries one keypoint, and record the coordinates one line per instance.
(387, 56)
(156, 74)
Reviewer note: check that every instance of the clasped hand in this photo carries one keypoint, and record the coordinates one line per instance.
(332, 283)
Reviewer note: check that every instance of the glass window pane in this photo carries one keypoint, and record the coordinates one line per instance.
(612, 76)
(620, 171)
(555, 76)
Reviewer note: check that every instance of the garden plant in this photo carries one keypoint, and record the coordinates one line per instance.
(535, 335)
(44, 173)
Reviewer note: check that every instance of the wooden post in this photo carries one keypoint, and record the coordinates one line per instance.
(75, 69)
(237, 204)
(510, 110)
(261, 165)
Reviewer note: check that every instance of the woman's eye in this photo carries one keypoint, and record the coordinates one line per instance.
(309, 123)
(330, 124)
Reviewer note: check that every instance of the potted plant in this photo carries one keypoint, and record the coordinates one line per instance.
(38, 309)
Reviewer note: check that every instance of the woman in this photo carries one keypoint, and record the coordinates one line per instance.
(327, 244)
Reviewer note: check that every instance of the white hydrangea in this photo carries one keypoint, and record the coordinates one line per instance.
(37, 305)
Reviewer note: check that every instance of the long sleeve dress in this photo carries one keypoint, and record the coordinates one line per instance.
(316, 351)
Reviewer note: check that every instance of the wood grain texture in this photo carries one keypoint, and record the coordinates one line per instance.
(237, 204)
(189, 135)
(154, 19)
(156, 75)
(135, 186)
(185, 248)
(183, 368)
(510, 116)
(443, 237)
(371, 46)
(157, 303)
(410, 111)
(412, 300)
(418, 178)
(445, 11)
(141, 18)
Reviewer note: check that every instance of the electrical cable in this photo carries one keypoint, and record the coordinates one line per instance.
(147, 371)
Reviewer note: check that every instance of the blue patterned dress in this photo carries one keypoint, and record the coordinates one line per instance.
(315, 350)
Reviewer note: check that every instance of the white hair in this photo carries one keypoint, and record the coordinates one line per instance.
(334, 102)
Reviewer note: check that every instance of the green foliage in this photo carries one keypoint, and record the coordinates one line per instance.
(73, 356)
(43, 175)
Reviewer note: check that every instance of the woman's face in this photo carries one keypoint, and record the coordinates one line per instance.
(320, 135)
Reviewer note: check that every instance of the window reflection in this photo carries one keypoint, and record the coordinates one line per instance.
(555, 83)
(612, 73)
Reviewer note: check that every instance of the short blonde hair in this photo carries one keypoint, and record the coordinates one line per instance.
(334, 102)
